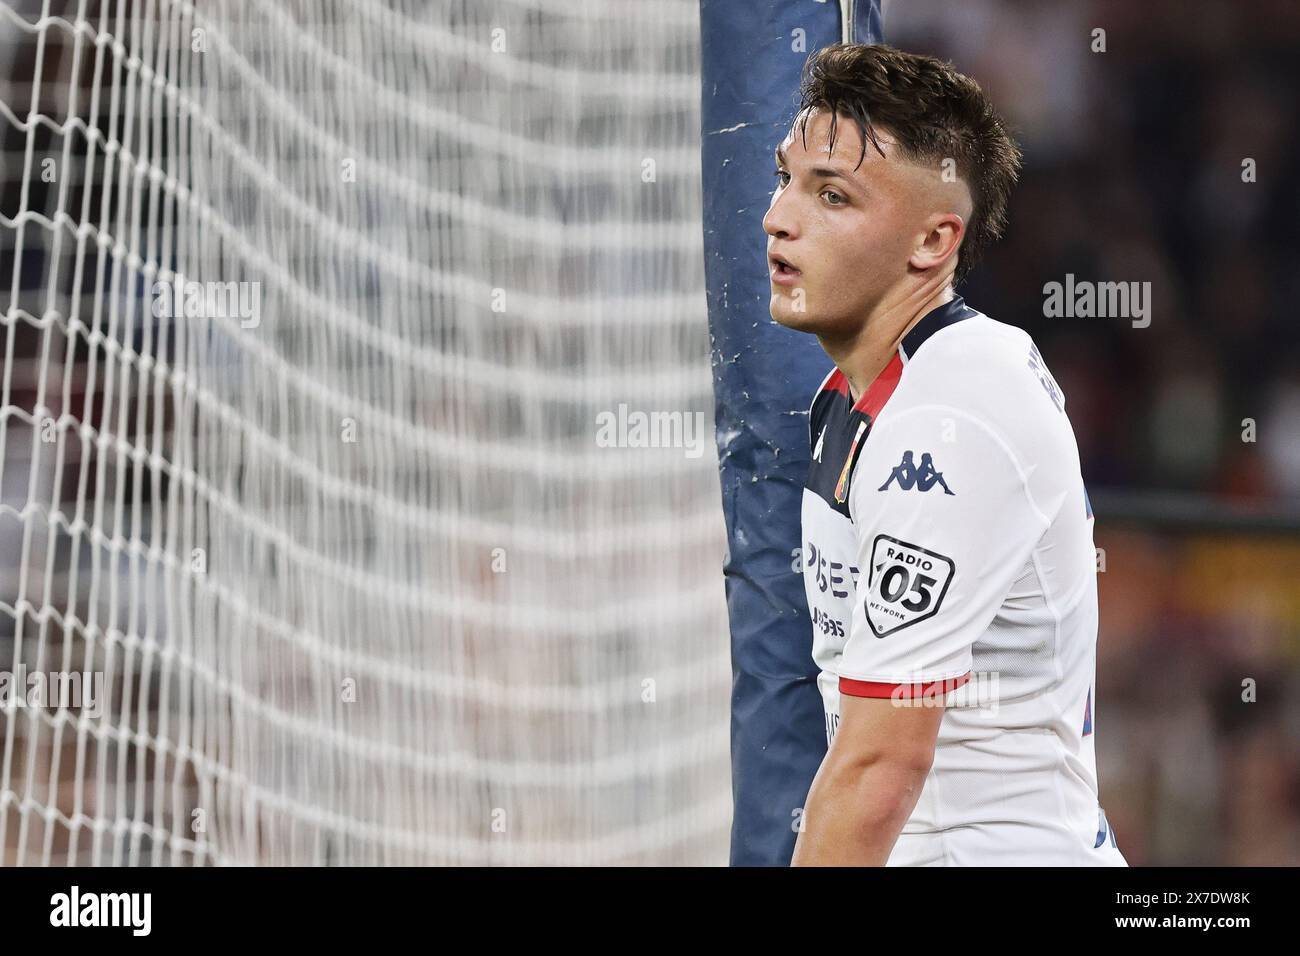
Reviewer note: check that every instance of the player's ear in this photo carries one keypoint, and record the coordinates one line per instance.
(939, 241)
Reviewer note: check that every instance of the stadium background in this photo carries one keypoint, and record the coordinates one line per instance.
(1133, 172)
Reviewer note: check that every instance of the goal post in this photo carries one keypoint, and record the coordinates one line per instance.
(764, 377)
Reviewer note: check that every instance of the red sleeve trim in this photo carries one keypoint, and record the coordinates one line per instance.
(866, 688)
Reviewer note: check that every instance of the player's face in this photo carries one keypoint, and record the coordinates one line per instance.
(848, 233)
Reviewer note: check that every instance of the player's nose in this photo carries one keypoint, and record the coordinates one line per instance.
(779, 221)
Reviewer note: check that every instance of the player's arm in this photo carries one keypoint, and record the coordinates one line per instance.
(868, 784)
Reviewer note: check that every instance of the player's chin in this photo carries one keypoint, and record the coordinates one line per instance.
(784, 312)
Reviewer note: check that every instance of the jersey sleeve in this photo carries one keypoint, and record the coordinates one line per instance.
(945, 523)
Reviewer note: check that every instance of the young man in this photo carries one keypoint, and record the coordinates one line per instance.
(947, 536)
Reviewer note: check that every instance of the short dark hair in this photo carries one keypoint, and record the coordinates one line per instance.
(932, 111)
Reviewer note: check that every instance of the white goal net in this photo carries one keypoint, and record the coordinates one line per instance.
(358, 495)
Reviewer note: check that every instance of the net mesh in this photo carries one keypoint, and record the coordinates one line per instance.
(318, 311)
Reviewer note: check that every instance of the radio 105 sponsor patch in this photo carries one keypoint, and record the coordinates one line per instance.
(907, 584)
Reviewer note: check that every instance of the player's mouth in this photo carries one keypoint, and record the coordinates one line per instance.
(782, 271)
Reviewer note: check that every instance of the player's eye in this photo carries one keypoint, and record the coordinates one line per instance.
(781, 172)
(839, 199)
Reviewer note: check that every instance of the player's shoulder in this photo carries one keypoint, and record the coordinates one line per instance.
(975, 354)
(979, 368)
(975, 361)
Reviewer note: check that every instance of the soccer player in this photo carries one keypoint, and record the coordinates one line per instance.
(947, 537)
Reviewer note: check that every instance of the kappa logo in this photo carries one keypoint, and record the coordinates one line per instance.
(922, 478)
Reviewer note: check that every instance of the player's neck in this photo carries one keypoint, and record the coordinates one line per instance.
(865, 355)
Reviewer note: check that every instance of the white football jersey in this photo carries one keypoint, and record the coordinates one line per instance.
(948, 553)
